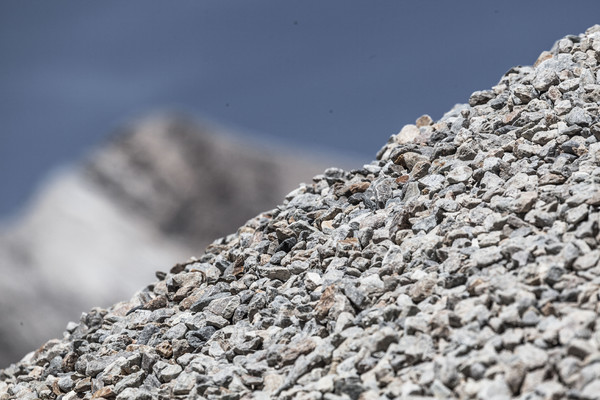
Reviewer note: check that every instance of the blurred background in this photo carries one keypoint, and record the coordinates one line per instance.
(132, 134)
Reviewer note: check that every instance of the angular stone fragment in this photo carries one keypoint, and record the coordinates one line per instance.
(130, 381)
(312, 280)
(486, 256)
(544, 79)
(105, 392)
(407, 134)
(224, 306)
(134, 394)
(156, 303)
(350, 189)
(525, 150)
(496, 390)
(425, 223)
(422, 289)
(481, 97)
(532, 356)
(167, 372)
(304, 346)
(587, 260)
(580, 348)
(424, 120)
(433, 183)
(540, 218)
(409, 159)
(578, 116)
(275, 272)
(326, 301)
(576, 214)
(524, 93)
(544, 136)
(524, 202)
(420, 169)
(460, 173)
(184, 384)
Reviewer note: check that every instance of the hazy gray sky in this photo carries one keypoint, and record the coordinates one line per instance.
(333, 75)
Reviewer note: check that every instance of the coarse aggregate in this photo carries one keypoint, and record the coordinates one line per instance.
(462, 263)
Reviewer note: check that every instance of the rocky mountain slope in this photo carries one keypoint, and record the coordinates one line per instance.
(462, 263)
(158, 193)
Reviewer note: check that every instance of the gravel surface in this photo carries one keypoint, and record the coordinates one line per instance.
(462, 263)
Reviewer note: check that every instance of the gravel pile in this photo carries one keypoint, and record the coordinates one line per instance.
(462, 263)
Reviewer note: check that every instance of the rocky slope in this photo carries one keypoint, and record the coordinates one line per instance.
(462, 263)
(158, 193)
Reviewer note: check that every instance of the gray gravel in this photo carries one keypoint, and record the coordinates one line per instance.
(462, 263)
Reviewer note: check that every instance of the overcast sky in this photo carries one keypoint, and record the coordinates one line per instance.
(334, 75)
